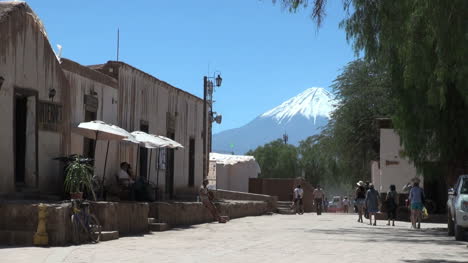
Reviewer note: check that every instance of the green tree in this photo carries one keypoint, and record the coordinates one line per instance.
(424, 47)
(277, 160)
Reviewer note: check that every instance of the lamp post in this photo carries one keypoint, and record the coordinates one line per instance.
(208, 88)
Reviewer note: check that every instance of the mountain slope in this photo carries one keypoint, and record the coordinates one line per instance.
(299, 117)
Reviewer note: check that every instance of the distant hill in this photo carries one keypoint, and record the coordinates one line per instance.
(300, 117)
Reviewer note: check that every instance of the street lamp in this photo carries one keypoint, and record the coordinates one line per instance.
(208, 99)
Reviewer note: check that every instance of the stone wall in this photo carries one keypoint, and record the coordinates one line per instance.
(18, 223)
(283, 189)
(126, 217)
(233, 195)
(190, 213)
(18, 220)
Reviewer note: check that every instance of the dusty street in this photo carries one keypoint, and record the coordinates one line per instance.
(277, 238)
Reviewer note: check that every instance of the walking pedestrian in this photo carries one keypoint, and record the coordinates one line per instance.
(416, 200)
(366, 212)
(392, 203)
(319, 196)
(372, 203)
(298, 203)
(346, 205)
(360, 199)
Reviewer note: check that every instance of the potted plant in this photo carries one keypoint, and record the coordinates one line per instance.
(78, 178)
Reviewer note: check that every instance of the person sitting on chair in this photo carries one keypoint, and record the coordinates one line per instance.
(124, 177)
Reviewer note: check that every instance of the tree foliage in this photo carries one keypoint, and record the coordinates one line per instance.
(277, 160)
(424, 46)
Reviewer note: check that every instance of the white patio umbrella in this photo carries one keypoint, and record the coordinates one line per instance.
(171, 143)
(148, 141)
(99, 130)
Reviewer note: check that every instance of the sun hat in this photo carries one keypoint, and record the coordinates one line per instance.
(360, 183)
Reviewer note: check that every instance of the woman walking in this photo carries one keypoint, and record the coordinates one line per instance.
(360, 199)
(372, 203)
(416, 198)
(392, 204)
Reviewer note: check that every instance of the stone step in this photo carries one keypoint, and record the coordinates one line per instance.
(285, 211)
(158, 227)
(109, 235)
(151, 220)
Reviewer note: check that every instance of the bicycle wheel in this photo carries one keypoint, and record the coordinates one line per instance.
(94, 228)
(78, 229)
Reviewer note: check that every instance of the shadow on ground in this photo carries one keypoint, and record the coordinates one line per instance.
(375, 234)
(433, 261)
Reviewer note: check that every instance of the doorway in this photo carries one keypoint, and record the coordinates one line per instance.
(143, 171)
(21, 103)
(25, 138)
(89, 144)
(191, 181)
(170, 168)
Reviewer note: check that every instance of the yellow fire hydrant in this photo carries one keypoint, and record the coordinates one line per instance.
(41, 238)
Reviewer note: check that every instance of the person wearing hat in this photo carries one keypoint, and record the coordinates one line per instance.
(360, 199)
(416, 200)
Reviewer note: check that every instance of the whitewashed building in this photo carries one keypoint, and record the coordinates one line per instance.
(232, 172)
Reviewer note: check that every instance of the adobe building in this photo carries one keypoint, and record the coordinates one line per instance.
(232, 172)
(154, 106)
(34, 103)
(43, 98)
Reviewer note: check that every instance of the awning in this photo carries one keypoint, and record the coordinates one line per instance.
(150, 140)
(99, 130)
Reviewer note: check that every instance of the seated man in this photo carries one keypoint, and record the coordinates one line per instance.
(124, 177)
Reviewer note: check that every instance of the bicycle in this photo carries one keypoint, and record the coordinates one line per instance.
(84, 224)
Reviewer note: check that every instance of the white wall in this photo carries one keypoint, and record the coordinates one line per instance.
(399, 173)
(236, 177)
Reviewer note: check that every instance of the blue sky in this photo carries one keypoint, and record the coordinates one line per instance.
(265, 54)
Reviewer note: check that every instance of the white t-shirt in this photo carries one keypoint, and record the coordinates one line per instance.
(123, 175)
(298, 193)
(345, 202)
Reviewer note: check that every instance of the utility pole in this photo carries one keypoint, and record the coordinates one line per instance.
(208, 88)
(205, 84)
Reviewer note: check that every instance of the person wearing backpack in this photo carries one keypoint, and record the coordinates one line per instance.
(392, 204)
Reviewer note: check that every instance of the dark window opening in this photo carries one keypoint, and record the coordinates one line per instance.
(170, 168)
(144, 154)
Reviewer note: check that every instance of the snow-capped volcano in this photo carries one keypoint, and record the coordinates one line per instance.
(299, 117)
(311, 103)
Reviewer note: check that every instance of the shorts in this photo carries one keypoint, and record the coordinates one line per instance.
(417, 206)
(360, 202)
